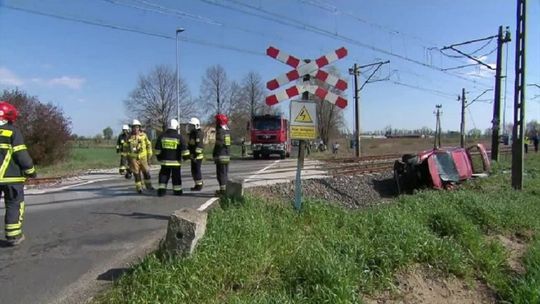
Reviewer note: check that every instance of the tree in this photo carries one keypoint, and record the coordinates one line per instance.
(474, 133)
(153, 101)
(45, 128)
(214, 90)
(253, 89)
(108, 133)
(330, 117)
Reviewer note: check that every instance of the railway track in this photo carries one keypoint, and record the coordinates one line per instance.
(369, 163)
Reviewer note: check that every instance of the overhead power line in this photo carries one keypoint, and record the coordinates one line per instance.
(260, 12)
(137, 31)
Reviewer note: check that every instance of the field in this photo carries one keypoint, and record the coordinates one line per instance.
(482, 238)
(82, 159)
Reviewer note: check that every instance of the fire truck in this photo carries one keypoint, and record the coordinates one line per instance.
(270, 135)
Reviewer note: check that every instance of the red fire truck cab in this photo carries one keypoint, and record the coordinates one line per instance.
(270, 135)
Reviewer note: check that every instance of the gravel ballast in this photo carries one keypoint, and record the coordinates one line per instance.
(350, 191)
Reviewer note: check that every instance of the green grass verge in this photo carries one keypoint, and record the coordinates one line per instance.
(260, 251)
(82, 159)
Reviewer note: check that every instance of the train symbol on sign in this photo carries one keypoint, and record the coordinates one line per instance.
(301, 69)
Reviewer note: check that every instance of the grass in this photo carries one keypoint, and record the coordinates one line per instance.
(82, 159)
(260, 251)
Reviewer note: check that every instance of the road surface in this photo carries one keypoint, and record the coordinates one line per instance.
(82, 236)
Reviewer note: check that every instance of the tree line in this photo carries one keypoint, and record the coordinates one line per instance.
(153, 101)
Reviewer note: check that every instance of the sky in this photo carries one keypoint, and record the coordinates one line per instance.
(86, 55)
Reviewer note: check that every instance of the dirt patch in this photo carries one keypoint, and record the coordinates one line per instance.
(419, 285)
(516, 247)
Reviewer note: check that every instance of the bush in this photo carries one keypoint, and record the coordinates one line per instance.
(45, 128)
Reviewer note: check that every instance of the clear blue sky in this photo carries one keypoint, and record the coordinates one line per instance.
(89, 70)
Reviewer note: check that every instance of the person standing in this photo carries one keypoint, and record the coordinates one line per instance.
(535, 141)
(16, 166)
(122, 147)
(170, 150)
(140, 152)
(221, 151)
(196, 150)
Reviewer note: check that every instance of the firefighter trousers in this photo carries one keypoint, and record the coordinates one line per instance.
(14, 200)
(138, 167)
(222, 169)
(124, 165)
(196, 171)
(170, 171)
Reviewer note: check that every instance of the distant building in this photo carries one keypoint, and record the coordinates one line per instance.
(208, 131)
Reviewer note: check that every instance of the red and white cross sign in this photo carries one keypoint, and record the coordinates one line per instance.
(301, 68)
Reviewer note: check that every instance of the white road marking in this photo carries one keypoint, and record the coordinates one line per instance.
(43, 191)
(207, 204)
(262, 170)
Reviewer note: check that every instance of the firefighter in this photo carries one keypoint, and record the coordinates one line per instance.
(122, 147)
(221, 151)
(195, 145)
(140, 152)
(16, 166)
(170, 150)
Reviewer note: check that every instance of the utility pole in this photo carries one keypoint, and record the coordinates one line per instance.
(462, 126)
(502, 38)
(178, 31)
(518, 132)
(438, 114)
(355, 71)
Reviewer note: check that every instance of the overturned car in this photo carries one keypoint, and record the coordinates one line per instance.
(440, 168)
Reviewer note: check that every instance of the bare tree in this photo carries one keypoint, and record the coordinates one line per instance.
(153, 101)
(330, 117)
(254, 92)
(214, 89)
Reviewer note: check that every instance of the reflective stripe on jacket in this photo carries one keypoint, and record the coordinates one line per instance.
(122, 144)
(171, 149)
(15, 161)
(140, 146)
(221, 149)
(195, 144)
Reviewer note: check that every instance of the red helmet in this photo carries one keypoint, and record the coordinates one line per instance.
(222, 120)
(8, 111)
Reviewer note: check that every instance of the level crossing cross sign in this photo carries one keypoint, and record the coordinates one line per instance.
(300, 69)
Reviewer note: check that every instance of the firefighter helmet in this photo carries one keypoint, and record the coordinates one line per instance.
(136, 123)
(8, 112)
(196, 122)
(222, 120)
(125, 127)
(173, 124)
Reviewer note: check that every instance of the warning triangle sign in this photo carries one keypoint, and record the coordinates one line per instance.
(303, 116)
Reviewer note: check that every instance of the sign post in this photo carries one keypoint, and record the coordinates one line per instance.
(303, 113)
(303, 126)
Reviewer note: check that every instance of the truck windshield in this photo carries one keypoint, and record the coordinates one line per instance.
(267, 124)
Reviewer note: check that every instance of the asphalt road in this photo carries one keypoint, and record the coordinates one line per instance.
(79, 238)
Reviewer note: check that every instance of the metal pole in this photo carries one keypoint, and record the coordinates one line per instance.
(463, 102)
(178, 31)
(518, 132)
(356, 70)
(301, 153)
(496, 121)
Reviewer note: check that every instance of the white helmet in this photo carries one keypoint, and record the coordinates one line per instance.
(125, 127)
(136, 123)
(173, 124)
(196, 122)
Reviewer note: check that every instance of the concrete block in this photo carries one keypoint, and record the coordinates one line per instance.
(235, 188)
(186, 227)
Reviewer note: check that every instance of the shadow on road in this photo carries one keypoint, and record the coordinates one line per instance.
(136, 215)
(112, 274)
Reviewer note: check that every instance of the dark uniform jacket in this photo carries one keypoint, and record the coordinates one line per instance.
(171, 148)
(223, 143)
(122, 144)
(16, 162)
(195, 144)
